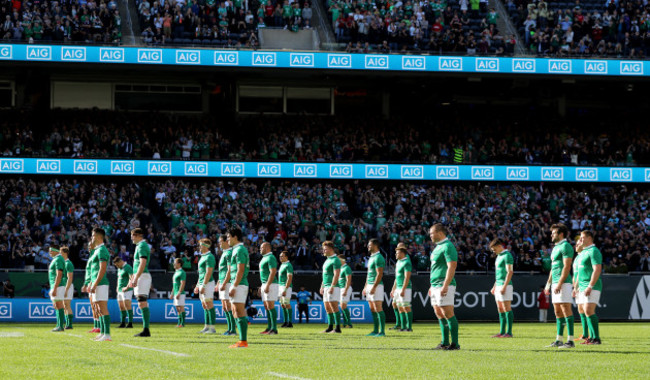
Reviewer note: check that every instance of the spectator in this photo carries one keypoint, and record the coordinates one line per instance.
(9, 289)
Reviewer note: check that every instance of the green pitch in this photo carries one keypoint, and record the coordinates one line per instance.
(32, 351)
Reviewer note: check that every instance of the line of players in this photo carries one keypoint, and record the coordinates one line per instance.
(585, 286)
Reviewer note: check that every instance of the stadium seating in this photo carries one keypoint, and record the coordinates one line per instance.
(299, 216)
(72, 21)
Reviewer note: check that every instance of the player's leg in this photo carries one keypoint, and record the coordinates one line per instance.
(444, 327)
(336, 314)
(447, 308)
(559, 323)
(591, 302)
(273, 317)
(375, 315)
(57, 302)
(129, 308)
(239, 309)
(498, 297)
(101, 298)
(510, 318)
(93, 309)
(123, 313)
(398, 316)
(142, 290)
(226, 310)
(211, 315)
(67, 305)
(407, 313)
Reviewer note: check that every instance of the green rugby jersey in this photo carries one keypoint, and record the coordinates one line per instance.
(69, 268)
(123, 277)
(87, 274)
(329, 266)
(576, 262)
(239, 256)
(57, 264)
(562, 250)
(286, 269)
(590, 256)
(100, 255)
(267, 264)
(206, 261)
(224, 263)
(142, 251)
(501, 267)
(179, 276)
(443, 253)
(345, 272)
(403, 266)
(375, 262)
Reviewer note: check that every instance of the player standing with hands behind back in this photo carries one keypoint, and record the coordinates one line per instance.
(141, 280)
(559, 284)
(239, 267)
(374, 289)
(502, 289)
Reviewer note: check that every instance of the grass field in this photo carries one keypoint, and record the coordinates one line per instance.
(32, 351)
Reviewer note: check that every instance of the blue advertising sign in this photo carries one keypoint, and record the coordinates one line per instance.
(320, 60)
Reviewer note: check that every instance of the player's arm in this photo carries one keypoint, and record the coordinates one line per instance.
(57, 281)
(380, 275)
(100, 276)
(449, 276)
(269, 281)
(510, 272)
(206, 279)
(547, 288)
(136, 277)
(226, 280)
(69, 284)
(181, 289)
(598, 269)
(240, 274)
(287, 285)
(565, 273)
(407, 279)
(348, 283)
(335, 279)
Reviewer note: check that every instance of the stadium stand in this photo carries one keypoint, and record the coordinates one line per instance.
(67, 21)
(583, 28)
(463, 27)
(299, 216)
(502, 139)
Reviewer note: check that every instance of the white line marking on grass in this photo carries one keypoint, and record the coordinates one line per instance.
(284, 376)
(153, 349)
(11, 334)
(78, 336)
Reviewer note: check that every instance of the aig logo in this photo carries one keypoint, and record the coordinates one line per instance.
(85, 167)
(339, 61)
(412, 172)
(376, 171)
(5, 310)
(647, 175)
(552, 174)
(41, 310)
(620, 174)
(188, 57)
(159, 168)
(171, 313)
(517, 174)
(357, 312)
(482, 172)
(487, 64)
(6, 52)
(39, 53)
(83, 310)
(341, 171)
(48, 166)
(376, 62)
(304, 170)
(123, 167)
(301, 60)
(450, 64)
(595, 67)
(631, 68)
(77, 54)
(268, 170)
(196, 168)
(111, 55)
(315, 311)
(414, 63)
(12, 165)
(232, 170)
(559, 66)
(523, 65)
(586, 174)
(447, 172)
(264, 59)
(228, 58)
(150, 56)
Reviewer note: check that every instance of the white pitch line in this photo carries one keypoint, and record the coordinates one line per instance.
(11, 334)
(284, 376)
(78, 336)
(153, 349)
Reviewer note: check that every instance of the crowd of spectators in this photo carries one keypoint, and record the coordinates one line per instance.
(604, 28)
(502, 139)
(299, 216)
(41, 21)
(460, 27)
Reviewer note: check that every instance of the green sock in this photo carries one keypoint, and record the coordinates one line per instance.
(60, 313)
(403, 319)
(444, 331)
(346, 316)
(569, 322)
(347, 312)
(67, 320)
(510, 319)
(130, 314)
(269, 315)
(213, 316)
(182, 318)
(101, 324)
(453, 329)
(398, 317)
(233, 322)
(592, 321)
(274, 320)
(290, 314)
(206, 317)
(559, 324)
(375, 322)
(330, 320)
(502, 323)
(228, 324)
(410, 320)
(96, 323)
(122, 316)
(145, 317)
(382, 322)
(585, 326)
(242, 323)
(107, 324)
(337, 317)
